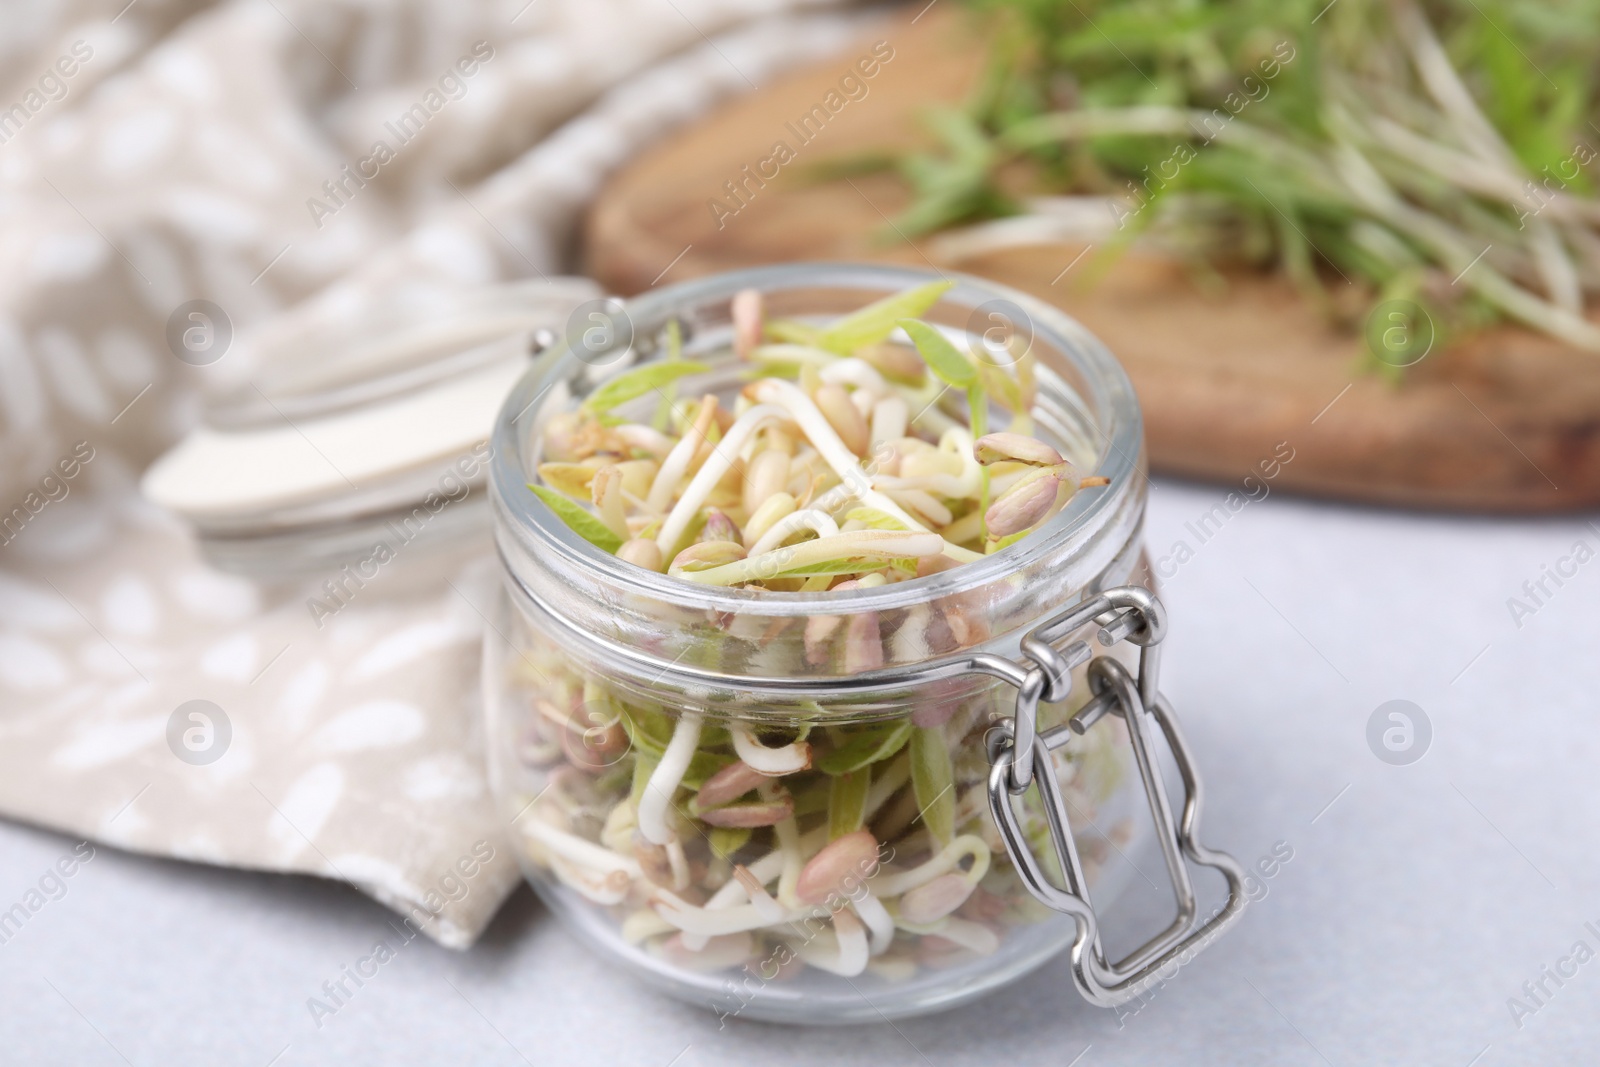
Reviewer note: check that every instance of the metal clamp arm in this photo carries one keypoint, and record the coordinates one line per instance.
(1020, 756)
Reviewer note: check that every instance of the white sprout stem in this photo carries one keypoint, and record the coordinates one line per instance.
(1586, 244)
(647, 438)
(958, 442)
(748, 889)
(1087, 123)
(606, 889)
(856, 372)
(673, 468)
(580, 851)
(1445, 86)
(1550, 258)
(1429, 231)
(837, 455)
(806, 355)
(878, 920)
(664, 780)
(924, 403)
(606, 492)
(864, 400)
(644, 923)
(759, 897)
(964, 932)
(1495, 181)
(1023, 231)
(1375, 195)
(1555, 269)
(794, 860)
(783, 863)
(733, 891)
(945, 485)
(786, 759)
(678, 863)
(766, 514)
(643, 505)
(909, 642)
(805, 519)
(828, 444)
(711, 472)
(873, 547)
(1447, 90)
(889, 419)
(706, 922)
(922, 503)
(947, 859)
(712, 923)
(847, 954)
(774, 864)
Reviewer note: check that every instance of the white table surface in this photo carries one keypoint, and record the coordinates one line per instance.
(1415, 905)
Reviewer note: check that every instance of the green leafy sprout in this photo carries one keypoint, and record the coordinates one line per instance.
(1442, 153)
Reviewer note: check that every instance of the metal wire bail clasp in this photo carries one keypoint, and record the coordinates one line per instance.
(1020, 757)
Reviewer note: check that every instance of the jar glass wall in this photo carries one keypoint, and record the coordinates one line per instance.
(599, 673)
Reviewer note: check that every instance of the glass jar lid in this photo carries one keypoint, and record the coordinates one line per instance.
(350, 418)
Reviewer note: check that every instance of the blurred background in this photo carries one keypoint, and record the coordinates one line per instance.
(1344, 249)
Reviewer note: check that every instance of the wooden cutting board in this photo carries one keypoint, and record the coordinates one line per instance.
(1506, 421)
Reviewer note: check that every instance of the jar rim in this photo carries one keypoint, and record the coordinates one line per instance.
(1114, 412)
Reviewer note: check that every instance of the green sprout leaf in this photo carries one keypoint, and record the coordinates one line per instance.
(1006, 542)
(702, 765)
(789, 331)
(978, 423)
(861, 550)
(874, 519)
(1259, 134)
(843, 565)
(644, 765)
(573, 479)
(1006, 389)
(942, 357)
(674, 341)
(726, 840)
(648, 731)
(865, 747)
(811, 798)
(933, 781)
(977, 409)
(847, 802)
(574, 515)
(669, 394)
(877, 320)
(638, 382)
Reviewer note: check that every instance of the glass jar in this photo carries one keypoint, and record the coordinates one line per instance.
(357, 425)
(599, 673)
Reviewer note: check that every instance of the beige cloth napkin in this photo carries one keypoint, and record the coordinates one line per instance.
(156, 153)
